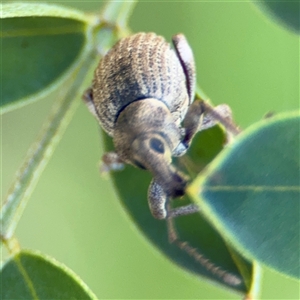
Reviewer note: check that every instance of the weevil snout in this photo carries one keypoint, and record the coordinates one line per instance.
(152, 152)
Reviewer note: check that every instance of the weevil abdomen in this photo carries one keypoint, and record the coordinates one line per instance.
(138, 67)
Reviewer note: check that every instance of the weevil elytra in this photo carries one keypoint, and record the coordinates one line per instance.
(142, 95)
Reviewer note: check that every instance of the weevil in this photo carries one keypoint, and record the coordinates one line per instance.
(142, 95)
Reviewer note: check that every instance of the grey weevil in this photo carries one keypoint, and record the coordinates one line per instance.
(142, 94)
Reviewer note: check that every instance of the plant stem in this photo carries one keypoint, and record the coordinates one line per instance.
(41, 152)
(118, 13)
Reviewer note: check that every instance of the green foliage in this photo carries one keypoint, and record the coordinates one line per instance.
(17, 25)
(250, 210)
(28, 275)
(42, 44)
(40, 153)
(251, 193)
(287, 12)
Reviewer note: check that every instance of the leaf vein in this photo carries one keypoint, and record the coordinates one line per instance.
(26, 278)
(253, 188)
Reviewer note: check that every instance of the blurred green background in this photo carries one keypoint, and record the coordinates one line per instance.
(243, 59)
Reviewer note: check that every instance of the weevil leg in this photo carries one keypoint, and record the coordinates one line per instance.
(185, 54)
(220, 114)
(88, 100)
(200, 258)
(182, 211)
(192, 121)
(201, 116)
(157, 199)
(111, 162)
(160, 208)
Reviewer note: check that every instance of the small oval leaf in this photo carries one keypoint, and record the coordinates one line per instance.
(29, 275)
(40, 43)
(252, 193)
(132, 185)
(287, 12)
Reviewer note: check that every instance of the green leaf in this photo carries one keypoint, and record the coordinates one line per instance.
(29, 275)
(132, 184)
(251, 193)
(41, 46)
(287, 12)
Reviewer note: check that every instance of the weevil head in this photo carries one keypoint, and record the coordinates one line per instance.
(145, 135)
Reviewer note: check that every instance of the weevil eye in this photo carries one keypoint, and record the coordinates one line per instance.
(157, 145)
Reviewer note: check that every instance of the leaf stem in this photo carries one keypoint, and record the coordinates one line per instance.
(118, 12)
(12, 245)
(41, 151)
(254, 291)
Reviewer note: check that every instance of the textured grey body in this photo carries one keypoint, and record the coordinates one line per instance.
(138, 67)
